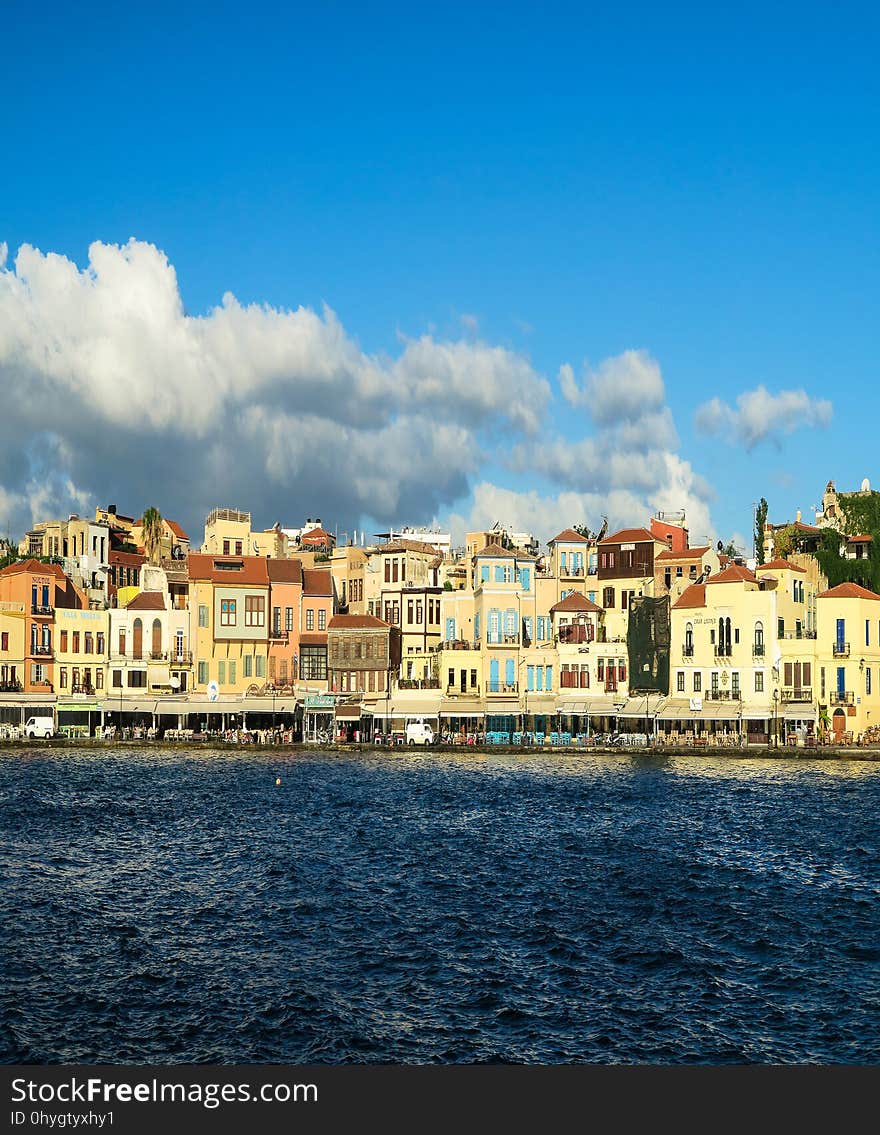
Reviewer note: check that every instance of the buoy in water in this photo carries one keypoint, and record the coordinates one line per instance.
(277, 781)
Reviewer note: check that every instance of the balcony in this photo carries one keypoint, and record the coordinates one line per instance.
(39, 609)
(840, 650)
(758, 649)
(457, 644)
(40, 648)
(800, 634)
(572, 572)
(10, 687)
(688, 651)
(180, 658)
(842, 697)
(797, 693)
(503, 688)
(576, 633)
(723, 651)
(419, 684)
(158, 656)
(81, 688)
(720, 695)
(276, 634)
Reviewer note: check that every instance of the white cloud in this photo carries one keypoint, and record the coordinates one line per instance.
(271, 409)
(760, 415)
(623, 388)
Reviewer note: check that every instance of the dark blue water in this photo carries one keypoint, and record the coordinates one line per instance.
(159, 907)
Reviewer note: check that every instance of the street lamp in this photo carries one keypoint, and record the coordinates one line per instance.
(775, 717)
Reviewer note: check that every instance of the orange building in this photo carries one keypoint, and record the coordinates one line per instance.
(285, 602)
(34, 590)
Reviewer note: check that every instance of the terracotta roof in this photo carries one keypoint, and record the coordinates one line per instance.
(799, 524)
(631, 536)
(864, 539)
(317, 581)
(357, 622)
(575, 602)
(848, 591)
(147, 601)
(693, 596)
(781, 565)
(176, 529)
(32, 566)
(285, 571)
(402, 545)
(685, 554)
(496, 550)
(252, 569)
(317, 534)
(127, 559)
(569, 536)
(315, 639)
(733, 574)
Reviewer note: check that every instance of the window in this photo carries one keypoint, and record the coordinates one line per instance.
(525, 578)
(203, 615)
(238, 548)
(310, 619)
(203, 674)
(261, 666)
(780, 628)
(88, 644)
(484, 573)
(248, 666)
(99, 679)
(680, 681)
(227, 612)
(698, 681)
(288, 618)
(313, 665)
(548, 683)
(867, 632)
(62, 677)
(63, 641)
(117, 679)
(734, 684)
(322, 619)
(231, 672)
(473, 679)
(276, 620)
(868, 680)
(689, 640)
(255, 610)
(225, 547)
(99, 643)
(221, 673)
(607, 596)
(76, 642)
(759, 681)
(499, 573)
(137, 679)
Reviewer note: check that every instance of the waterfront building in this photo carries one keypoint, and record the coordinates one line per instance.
(402, 587)
(848, 657)
(318, 605)
(625, 570)
(285, 601)
(676, 569)
(348, 568)
(80, 546)
(35, 591)
(229, 622)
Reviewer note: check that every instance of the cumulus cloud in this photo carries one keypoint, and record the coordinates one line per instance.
(760, 415)
(628, 467)
(623, 388)
(111, 391)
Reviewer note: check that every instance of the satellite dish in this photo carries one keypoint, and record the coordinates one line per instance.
(213, 691)
(174, 682)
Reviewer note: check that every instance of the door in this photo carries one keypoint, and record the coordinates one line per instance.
(841, 635)
(841, 682)
(156, 646)
(838, 724)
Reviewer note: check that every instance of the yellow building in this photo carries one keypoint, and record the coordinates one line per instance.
(229, 623)
(848, 650)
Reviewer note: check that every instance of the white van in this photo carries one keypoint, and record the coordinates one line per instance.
(39, 727)
(419, 733)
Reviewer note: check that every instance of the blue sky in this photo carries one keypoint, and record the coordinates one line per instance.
(680, 202)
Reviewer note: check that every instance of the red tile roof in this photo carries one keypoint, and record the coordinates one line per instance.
(314, 639)
(126, 559)
(693, 596)
(317, 581)
(495, 550)
(733, 574)
(569, 536)
(147, 601)
(575, 602)
(317, 535)
(864, 539)
(848, 591)
(176, 529)
(285, 571)
(631, 536)
(684, 554)
(357, 622)
(34, 567)
(252, 570)
(402, 545)
(781, 565)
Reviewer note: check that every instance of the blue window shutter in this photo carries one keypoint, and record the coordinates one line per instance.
(525, 578)
(499, 573)
(493, 675)
(476, 626)
(484, 573)
(549, 682)
(450, 630)
(540, 670)
(530, 677)
(510, 672)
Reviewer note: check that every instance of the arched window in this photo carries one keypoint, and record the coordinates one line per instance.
(137, 645)
(689, 639)
(759, 638)
(156, 645)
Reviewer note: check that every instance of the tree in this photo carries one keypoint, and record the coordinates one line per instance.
(583, 530)
(152, 531)
(760, 521)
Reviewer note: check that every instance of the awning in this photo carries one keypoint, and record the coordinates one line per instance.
(573, 708)
(349, 713)
(462, 707)
(645, 706)
(78, 707)
(802, 712)
(422, 704)
(541, 703)
(757, 712)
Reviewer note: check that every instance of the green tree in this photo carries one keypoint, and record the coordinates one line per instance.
(583, 530)
(152, 531)
(760, 521)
